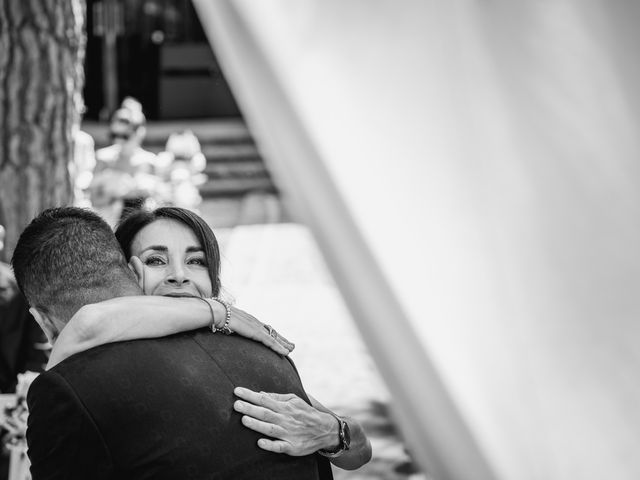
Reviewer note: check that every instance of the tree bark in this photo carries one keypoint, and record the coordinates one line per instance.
(42, 45)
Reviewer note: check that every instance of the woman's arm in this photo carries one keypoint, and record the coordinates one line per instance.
(134, 317)
(300, 428)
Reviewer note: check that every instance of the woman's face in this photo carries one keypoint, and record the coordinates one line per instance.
(173, 260)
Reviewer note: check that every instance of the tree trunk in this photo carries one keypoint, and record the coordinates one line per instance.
(42, 45)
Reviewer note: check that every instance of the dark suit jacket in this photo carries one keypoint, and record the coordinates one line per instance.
(160, 409)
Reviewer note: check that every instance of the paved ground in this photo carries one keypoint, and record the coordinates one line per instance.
(275, 271)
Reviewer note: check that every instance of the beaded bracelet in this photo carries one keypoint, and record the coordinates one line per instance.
(224, 328)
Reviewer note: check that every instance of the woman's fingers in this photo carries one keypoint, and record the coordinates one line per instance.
(263, 337)
(136, 265)
(268, 340)
(269, 330)
(248, 326)
(273, 345)
(289, 345)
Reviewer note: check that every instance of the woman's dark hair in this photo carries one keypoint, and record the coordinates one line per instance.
(138, 219)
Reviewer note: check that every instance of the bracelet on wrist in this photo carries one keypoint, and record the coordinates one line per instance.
(225, 326)
(212, 325)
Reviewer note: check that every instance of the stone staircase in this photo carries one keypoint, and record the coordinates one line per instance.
(234, 166)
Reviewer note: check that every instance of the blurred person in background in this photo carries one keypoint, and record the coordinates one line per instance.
(83, 165)
(23, 345)
(181, 166)
(84, 162)
(124, 177)
(23, 348)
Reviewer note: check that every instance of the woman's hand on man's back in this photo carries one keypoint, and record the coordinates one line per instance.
(248, 326)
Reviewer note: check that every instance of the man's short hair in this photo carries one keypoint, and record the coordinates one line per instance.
(68, 257)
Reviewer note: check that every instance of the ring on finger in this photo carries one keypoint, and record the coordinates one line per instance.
(271, 331)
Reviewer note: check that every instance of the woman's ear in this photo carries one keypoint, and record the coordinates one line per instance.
(135, 264)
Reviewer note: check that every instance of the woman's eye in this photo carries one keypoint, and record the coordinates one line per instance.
(197, 261)
(154, 261)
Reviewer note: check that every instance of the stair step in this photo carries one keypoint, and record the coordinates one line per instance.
(218, 152)
(235, 186)
(223, 131)
(225, 153)
(219, 131)
(235, 169)
(234, 165)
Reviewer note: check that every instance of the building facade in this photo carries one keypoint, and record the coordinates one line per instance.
(157, 52)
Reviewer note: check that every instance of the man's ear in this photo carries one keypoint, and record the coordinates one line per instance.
(136, 266)
(46, 324)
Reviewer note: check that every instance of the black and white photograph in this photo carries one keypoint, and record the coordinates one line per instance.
(319, 240)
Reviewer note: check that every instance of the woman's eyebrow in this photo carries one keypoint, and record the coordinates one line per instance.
(160, 248)
(194, 249)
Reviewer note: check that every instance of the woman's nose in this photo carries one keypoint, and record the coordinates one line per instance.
(177, 276)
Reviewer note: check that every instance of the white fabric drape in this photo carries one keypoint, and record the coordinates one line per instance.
(471, 172)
